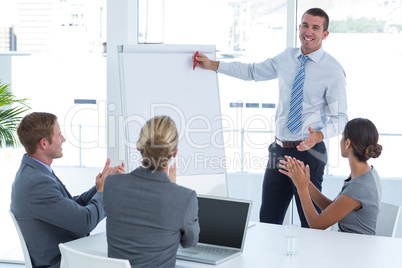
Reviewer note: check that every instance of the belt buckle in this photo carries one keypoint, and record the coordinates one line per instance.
(278, 142)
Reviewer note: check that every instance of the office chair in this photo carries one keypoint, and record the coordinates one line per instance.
(387, 220)
(71, 258)
(28, 263)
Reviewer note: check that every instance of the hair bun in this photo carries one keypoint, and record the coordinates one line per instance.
(373, 151)
(158, 142)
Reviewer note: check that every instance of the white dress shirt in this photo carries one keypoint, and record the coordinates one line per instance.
(324, 103)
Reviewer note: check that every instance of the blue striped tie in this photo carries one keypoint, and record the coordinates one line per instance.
(296, 99)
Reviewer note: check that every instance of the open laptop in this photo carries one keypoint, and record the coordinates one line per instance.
(223, 228)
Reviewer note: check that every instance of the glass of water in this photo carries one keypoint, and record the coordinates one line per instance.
(292, 239)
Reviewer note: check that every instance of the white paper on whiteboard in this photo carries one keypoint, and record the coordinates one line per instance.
(160, 80)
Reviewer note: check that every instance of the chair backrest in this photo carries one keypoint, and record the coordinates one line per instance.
(387, 220)
(334, 228)
(28, 263)
(71, 258)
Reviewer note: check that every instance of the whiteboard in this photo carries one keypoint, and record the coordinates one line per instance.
(158, 79)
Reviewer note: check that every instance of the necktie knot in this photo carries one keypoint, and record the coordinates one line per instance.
(303, 59)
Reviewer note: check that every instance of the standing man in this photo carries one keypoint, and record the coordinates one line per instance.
(311, 106)
(46, 212)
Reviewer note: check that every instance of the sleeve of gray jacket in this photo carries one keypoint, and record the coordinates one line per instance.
(47, 203)
(191, 227)
(85, 197)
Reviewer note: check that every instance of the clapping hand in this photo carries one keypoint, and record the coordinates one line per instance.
(107, 170)
(172, 173)
(296, 170)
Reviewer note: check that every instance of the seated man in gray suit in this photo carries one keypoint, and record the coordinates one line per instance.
(45, 211)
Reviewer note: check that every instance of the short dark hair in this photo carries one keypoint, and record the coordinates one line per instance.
(318, 12)
(33, 127)
(363, 136)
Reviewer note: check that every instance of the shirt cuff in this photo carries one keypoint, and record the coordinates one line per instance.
(223, 67)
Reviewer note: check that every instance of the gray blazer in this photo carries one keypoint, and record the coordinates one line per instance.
(48, 215)
(148, 216)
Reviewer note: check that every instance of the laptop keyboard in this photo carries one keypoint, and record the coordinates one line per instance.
(210, 250)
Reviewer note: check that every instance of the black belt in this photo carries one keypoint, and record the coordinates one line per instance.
(287, 144)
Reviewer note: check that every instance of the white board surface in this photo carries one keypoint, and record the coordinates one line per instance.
(158, 79)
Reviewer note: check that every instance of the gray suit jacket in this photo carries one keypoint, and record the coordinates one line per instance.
(48, 215)
(148, 216)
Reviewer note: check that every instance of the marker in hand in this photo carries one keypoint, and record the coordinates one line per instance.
(195, 61)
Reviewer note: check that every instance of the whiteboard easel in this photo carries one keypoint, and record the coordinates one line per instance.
(158, 79)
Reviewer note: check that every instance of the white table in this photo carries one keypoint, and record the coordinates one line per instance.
(265, 247)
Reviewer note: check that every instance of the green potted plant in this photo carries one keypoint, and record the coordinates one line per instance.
(9, 115)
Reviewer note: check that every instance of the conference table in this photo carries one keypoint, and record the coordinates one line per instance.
(265, 247)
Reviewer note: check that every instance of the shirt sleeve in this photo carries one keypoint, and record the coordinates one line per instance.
(191, 227)
(261, 71)
(50, 205)
(357, 190)
(336, 108)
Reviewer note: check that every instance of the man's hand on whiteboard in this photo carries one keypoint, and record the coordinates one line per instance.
(172, 173)
(205, 63)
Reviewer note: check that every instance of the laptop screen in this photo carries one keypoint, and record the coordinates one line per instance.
(222, 221)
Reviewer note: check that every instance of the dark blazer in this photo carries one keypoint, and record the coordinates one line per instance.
(48, 215)
(148, 216)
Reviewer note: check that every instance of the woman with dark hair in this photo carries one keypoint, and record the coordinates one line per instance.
(357, 205)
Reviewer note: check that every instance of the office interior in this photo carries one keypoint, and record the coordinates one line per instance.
(73, 72)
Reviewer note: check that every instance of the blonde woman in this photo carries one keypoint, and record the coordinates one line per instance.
(148, 214)
(356, 207)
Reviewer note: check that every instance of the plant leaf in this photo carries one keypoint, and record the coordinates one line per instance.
(10, 117)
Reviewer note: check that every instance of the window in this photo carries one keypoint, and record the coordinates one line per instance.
(65, 63)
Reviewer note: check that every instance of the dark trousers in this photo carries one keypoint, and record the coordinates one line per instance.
(278, 189)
